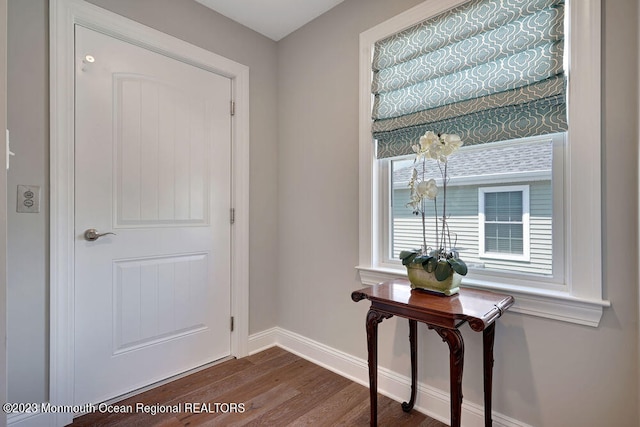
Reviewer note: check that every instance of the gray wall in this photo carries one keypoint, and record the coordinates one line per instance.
(547, 372)
(29, 124)
(3, 211)
(28, 121)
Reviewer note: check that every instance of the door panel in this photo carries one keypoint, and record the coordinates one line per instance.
(158, 300)
(152, 162)
(152, 122)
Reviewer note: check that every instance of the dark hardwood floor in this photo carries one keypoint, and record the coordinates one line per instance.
(270, 388)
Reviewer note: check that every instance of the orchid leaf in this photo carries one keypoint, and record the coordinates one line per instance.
(430, 264)
(458, 266)
(406, 254)
(409, 259)
(443, 271)
(421, 259)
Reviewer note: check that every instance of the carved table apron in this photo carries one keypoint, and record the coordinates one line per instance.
(444, 315)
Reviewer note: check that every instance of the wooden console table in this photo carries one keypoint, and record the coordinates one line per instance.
(444, 315)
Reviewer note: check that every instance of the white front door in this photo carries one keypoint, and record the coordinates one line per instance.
(152, 166)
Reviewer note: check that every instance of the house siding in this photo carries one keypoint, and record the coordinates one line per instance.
(462, 208)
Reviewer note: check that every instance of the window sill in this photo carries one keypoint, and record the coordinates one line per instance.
(548, 304)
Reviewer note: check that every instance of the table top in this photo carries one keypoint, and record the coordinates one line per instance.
(478, 307)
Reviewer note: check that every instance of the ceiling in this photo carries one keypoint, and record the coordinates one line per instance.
(272, 18)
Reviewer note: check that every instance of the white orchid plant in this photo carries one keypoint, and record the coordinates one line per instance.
(441, 259)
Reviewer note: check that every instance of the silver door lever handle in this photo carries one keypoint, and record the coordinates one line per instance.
(92, 234)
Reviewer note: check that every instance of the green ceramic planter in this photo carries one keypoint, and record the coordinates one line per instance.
(422, 279)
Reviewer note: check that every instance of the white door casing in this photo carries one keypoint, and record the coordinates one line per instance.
(152, 165)
(64, 15)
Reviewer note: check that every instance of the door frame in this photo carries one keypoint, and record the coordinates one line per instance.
(64, 15)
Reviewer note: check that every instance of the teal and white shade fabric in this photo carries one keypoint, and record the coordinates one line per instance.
(488, 70)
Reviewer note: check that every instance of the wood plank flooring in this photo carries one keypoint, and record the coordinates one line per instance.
(270, 388)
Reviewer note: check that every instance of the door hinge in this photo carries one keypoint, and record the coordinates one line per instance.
(233, 108)
(232, 215)
(231, 323)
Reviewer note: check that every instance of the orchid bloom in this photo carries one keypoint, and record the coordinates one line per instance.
(428, 189)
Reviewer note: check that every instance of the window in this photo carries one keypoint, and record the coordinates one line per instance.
(503, 223)
(568, 286)
(523, 170)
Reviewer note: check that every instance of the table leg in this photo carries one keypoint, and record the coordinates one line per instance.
(488, 336)
(413, 337)
(456, 362)
(373, 318)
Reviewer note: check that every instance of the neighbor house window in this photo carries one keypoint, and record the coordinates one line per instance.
(503, 217)
(499, 74)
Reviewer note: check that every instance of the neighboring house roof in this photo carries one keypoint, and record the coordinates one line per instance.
(497, 162)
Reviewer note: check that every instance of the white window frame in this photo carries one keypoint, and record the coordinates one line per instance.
(526, 238)
(579, 298)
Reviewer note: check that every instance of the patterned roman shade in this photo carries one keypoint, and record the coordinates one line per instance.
(488, 70)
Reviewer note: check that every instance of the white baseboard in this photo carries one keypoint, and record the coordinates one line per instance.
(429, 400)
